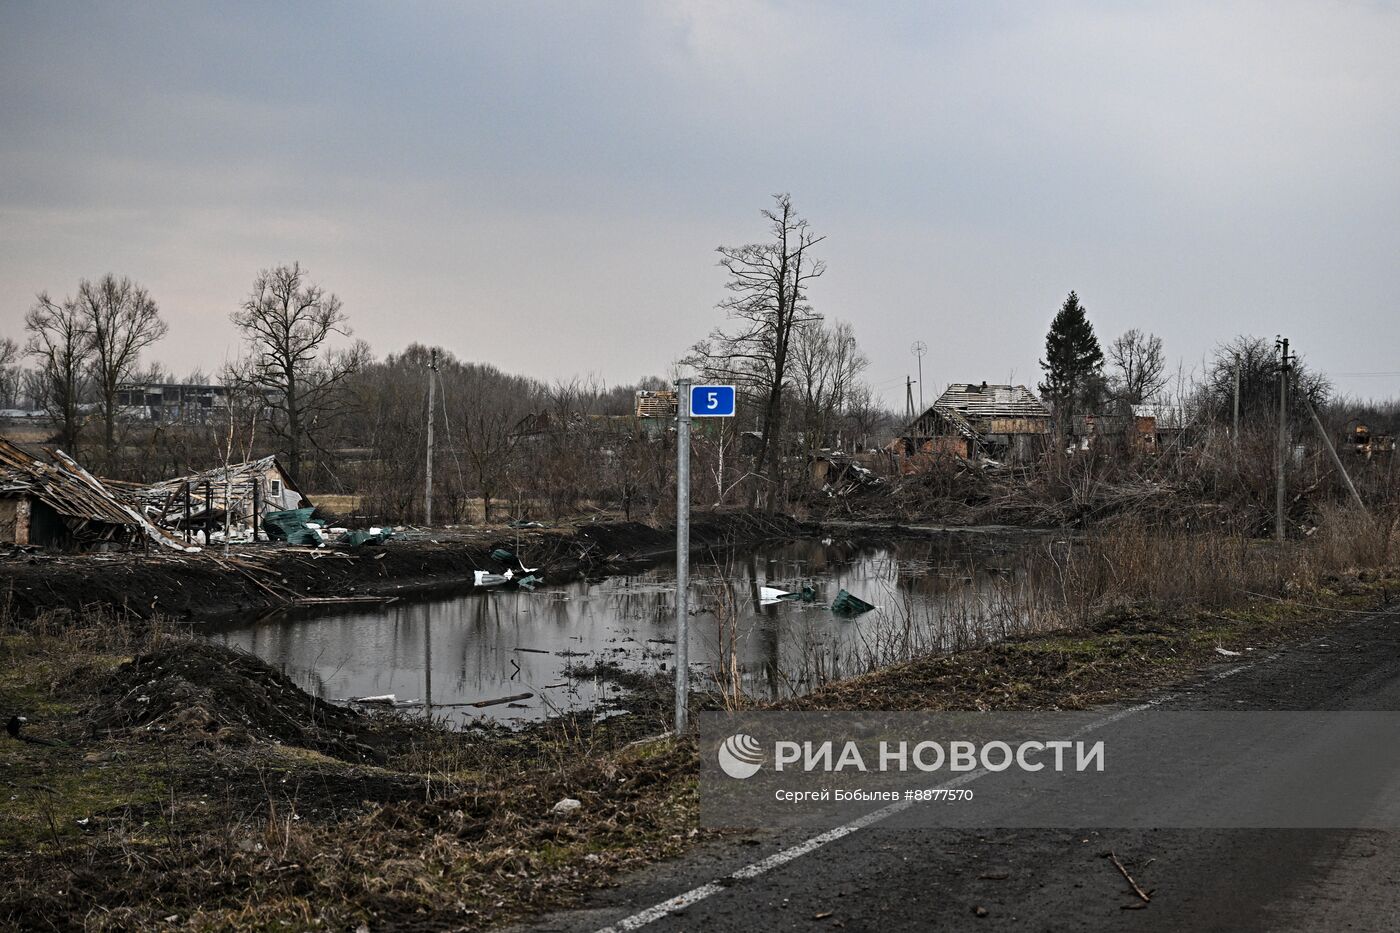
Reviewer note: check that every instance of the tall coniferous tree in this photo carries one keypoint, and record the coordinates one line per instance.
(1073, 364)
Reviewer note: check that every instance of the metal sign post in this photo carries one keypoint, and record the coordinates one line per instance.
(682, 551)
(700, 402)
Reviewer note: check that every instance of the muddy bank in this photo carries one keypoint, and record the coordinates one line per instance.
(200, 587)
(163, 781)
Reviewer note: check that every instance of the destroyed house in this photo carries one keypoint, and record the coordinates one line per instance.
(1000, 422)
(656, 411)
(660, 403)
(234, 495)
(1361, 441)
(1127, 431)
(838, 474)
(62, 505)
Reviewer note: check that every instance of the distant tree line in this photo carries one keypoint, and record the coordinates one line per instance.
(511, 446)
(1081, 379)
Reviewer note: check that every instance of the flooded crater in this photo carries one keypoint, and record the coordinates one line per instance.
(517, 655)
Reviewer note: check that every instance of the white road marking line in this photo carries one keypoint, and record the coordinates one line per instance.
(778, 859)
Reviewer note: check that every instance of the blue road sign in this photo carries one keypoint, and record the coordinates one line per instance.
(712, 401)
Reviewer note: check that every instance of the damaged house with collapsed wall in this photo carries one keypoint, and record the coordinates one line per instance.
(239, 496)
(61, 505)
(1004, 423)
(1134, 429)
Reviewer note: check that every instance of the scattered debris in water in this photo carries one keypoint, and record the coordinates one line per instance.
(482, 704)
(483, 579)
(847, 605)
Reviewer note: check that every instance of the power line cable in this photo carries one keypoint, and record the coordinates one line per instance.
(1364, 374)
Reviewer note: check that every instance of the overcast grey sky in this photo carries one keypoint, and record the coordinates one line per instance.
(542, 185)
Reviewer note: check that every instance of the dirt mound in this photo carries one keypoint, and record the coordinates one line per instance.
(203, 586)
(230, 698)
(625, 540)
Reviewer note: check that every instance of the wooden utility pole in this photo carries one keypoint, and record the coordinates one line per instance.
(1336, 460)
(257, 507)
(432, 397)
(1237, 400)
(909, 398)
(1281, 483)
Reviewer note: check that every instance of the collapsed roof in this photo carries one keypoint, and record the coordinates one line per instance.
(967, 410)
(90, 511)
(216, 491)
(992, 401)
(659, 403)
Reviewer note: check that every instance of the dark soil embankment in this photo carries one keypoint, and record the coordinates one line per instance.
(190, 786)
(203, 586)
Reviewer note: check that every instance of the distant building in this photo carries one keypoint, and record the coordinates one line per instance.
(1143, 429)
(1361, 441)
(1001, 422)
(659, 403)
(657, 410)
(170, 402)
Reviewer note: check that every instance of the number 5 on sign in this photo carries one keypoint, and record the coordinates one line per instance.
(712, 401)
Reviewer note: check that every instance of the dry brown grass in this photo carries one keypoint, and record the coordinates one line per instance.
(1129, 566)
(341, 505)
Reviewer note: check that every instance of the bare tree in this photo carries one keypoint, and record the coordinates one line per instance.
(287, 322)
(827, 365)
(242, 407)
(121, 320)
(494, 404)
(1139, 368)
(11, 374)
(1256, 361)
(866, 418)
(152, 373)
(768, 303)
(32, 391)
(58, 339)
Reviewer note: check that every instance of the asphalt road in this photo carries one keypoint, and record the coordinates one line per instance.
(891, 879)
